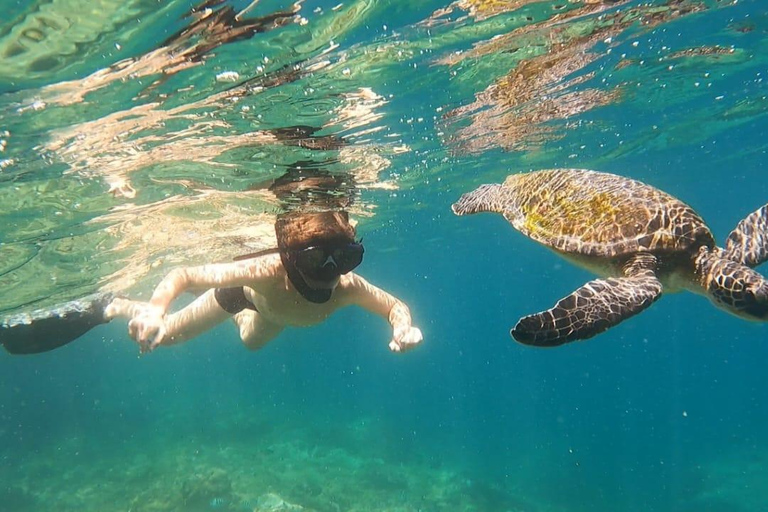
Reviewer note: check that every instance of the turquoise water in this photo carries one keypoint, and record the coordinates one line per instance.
(129, 150)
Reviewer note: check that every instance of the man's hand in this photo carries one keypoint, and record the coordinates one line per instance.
(146, 322)
(147, 327)
(405, 338)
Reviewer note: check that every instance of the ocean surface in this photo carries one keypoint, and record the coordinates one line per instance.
(137, 136)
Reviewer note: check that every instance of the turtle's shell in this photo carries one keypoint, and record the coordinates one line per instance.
(600, 214)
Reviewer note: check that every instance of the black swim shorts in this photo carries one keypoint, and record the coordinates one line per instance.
(233, 300)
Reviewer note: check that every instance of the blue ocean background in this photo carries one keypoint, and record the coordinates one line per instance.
(666, 412)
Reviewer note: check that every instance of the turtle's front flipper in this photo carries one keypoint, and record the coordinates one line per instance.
(590, 310)
(748, 243)
(47, 329)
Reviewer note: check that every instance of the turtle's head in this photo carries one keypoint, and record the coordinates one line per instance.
(316, 249)
(512, 179)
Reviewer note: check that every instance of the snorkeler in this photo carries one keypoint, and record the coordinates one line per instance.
(301, 283)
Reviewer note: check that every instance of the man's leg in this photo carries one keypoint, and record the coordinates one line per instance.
(151, 330)
(255, 331)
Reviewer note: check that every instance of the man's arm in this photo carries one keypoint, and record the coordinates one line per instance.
(223, 275)
(360, 292)
(149, 324)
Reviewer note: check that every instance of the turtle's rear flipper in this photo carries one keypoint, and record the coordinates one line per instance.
(732, 286)
(748, 243)
(47, 329)
(590, 310)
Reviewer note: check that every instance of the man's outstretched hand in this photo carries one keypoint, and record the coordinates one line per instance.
(146, 323)
(405, 339)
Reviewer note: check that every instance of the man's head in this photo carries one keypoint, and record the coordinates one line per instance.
(316, 249)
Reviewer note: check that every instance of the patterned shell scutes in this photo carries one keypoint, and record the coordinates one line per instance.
(600, 214)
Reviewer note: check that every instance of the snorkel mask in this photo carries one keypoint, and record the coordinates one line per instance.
(326, 262)
(316, 250)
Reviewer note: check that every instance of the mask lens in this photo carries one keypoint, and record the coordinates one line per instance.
(348, 257)
(327, 263)
(311, 258)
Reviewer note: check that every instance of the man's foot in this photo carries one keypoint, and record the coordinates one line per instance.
(46, 329)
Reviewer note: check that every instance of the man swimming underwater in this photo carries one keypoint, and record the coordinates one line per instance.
(301, 283)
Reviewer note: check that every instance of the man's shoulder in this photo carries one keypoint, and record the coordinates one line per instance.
(263, 266)
(350, 279)
(353, 283)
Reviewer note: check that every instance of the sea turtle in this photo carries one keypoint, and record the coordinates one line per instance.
(638, 238)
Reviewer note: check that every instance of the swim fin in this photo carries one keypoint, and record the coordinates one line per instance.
(46, 329)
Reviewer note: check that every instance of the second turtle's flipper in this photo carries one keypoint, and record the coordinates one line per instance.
(748, 243)
(590, 310)
(47, 329)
